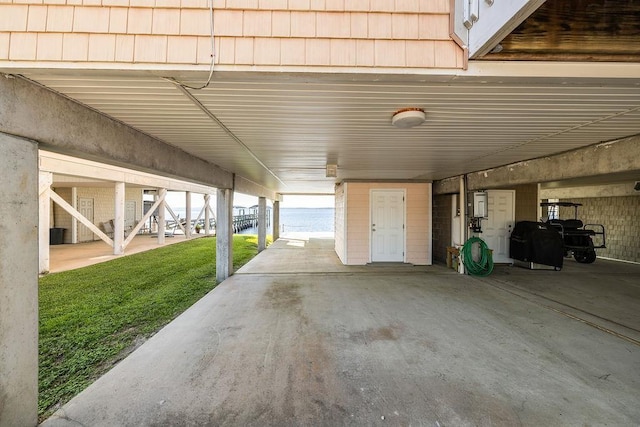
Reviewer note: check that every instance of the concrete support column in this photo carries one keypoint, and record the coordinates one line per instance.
(162, 193)
(276, 220)
(207, 214)
(19, 282)
(224, 234)
(45, 180)
(262, 224)
(187, 217)
(118, 220)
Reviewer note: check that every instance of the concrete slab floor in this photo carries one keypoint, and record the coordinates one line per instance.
(333, 345)
(69, 257)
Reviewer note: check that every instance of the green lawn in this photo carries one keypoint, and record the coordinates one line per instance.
(92, 317)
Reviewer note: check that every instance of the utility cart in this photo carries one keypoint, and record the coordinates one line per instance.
(578, 238)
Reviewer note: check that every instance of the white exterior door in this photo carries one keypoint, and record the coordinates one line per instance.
(85, 207)
(496, 229)
(129, 214)
(387, 225)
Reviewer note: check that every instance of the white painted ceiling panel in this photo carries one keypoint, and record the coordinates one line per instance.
(292, 126)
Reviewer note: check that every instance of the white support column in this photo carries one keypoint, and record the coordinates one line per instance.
(74, 221)
(276, 220)
(538, 200)
(262, 224)
(207, 214)
(19, 281)
(162, 193)
(463, 221)
(224, 234)
(118, 220)
(187, 228)
(44, 201)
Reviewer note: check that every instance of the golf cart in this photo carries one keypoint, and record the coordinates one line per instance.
(576, 236)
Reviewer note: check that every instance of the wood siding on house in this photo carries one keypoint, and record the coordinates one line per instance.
(267, 33)
(358, 229)
(339, 226)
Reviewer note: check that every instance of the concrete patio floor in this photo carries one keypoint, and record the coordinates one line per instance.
(69, 257)
(296, 338)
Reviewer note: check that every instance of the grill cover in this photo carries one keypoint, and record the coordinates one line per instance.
(536, 242)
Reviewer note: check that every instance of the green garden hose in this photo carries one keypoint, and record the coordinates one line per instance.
(482, 267)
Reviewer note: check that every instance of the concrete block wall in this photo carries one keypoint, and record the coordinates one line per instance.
(619, 215)
(441, 226)
(527, 202)
(325, 33)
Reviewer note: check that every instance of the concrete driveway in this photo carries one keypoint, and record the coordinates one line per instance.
(296, 338)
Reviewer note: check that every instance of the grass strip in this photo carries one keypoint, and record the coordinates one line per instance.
(93, 317)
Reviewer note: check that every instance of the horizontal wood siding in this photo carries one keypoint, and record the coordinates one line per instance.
(418, 221)
(390, 34)
(340, 223)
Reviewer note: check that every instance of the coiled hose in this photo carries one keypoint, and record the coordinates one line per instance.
(482, 267)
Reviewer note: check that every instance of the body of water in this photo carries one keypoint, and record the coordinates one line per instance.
(292, 220)
(306, 219)
(301, 220)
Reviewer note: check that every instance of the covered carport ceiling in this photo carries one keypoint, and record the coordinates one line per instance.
(282, 129)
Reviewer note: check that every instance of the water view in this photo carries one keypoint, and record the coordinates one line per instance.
(292, 220)
(301, 220)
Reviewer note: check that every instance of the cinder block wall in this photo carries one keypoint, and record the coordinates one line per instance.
(527, 202)
(441, 226)
(619, 215)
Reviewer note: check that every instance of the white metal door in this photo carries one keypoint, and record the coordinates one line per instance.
(387, 226)
(85, 207)
(496, 229)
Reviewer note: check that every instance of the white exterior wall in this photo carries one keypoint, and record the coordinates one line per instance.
(60, 217)
(103, 206)
(320, 33)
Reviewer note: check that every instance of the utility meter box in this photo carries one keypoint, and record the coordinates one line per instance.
(480, 204)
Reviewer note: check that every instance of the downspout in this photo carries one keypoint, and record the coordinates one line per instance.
(463, 218)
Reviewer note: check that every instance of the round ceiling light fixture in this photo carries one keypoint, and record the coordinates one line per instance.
(408, 118)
